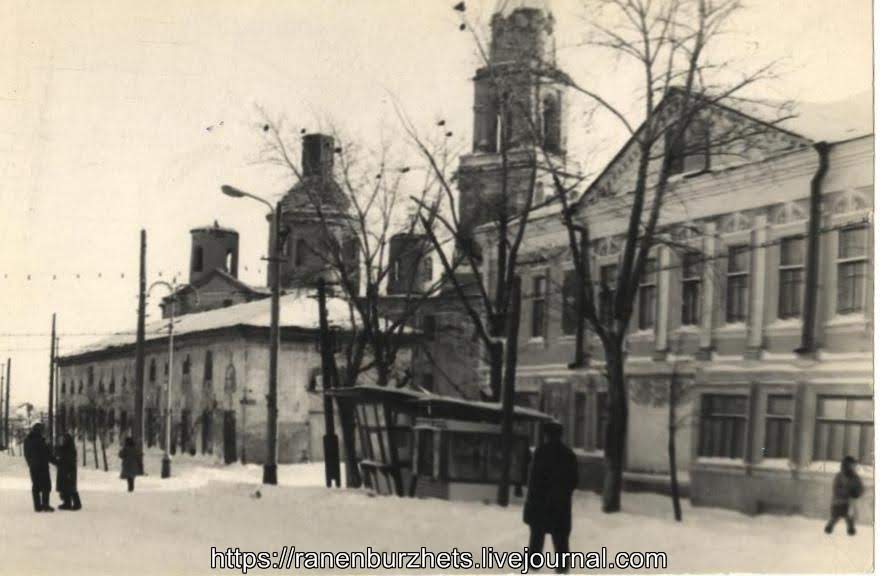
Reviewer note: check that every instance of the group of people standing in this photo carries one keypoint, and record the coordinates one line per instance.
(38, 455)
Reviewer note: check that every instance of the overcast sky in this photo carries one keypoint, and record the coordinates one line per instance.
(105, 109)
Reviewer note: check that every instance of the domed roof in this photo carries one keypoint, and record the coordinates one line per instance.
(311, 190)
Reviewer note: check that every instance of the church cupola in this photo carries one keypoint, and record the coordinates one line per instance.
(213, 247)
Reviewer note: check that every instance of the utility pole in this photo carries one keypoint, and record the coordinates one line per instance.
(138, 424)
(507, 392)
(328, 381)
(172, 300)
(270, 468)
(2, 404)
(8, 401)
(59, 410)
(52, 386)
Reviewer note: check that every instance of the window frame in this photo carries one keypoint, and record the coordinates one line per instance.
(539, 307)
(791, 300)
(607, 291)
(846, 421)
(774, 418)
(856, 262)
(728, 444)
(648, 287)
(569, 303)
(742, 278)
(691, 282)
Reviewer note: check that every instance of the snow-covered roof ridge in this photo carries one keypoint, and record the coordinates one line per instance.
(299, 309)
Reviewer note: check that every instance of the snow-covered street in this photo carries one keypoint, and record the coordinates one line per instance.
(170, 526)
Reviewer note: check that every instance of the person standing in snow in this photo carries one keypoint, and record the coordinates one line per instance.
(65, 481)
(847, 487)
(130, 463)
(38, 456)
(552, 480)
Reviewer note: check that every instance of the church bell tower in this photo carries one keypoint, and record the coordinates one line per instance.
(519, 111)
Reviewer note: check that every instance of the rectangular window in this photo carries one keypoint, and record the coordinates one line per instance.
(674, 151)
(777, 426)
(569, 303)
(580, 420)
(737, 283)
(691, 279)
(601, 419)
(723, 426)
(608, 278)
(791, 276)
(852, 252)
(648, 295)
(209, 366)
(539, 301)
(844, 427)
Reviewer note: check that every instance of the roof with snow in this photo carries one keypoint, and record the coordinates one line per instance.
(298, 310)
(834, 121)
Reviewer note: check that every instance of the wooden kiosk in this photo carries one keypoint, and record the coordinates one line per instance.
(419, 444)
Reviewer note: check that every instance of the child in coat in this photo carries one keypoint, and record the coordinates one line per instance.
(847, 487)
(130, 468)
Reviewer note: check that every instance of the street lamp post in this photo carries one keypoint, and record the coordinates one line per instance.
(166, 457)
(270, 467)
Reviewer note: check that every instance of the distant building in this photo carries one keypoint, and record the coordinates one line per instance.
(213, 275)
(221, 346)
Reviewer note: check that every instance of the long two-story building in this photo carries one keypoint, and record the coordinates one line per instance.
(760, 311)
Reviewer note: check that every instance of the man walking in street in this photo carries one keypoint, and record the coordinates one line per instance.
(553, 478)
(38, 456)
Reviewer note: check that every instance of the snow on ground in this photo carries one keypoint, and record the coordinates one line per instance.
(169, 526)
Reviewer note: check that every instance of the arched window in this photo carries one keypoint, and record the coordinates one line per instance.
(228, 263)
(152, 369)
(229, 380)
(300, 256)
(209, 366)
(186, 365)
(112, 388)
(551, 124)
(198, 259)
(63, 387)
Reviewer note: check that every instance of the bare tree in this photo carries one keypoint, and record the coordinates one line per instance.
(369, 249)
(483, 223)
(690, 116)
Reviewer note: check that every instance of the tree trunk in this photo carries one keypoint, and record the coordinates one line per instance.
(496, 370)
(346, 421)
(615, 436)
(104, 452)
(673, 468)
(509, 390)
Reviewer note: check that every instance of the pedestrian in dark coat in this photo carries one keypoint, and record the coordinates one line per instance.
(131, 462)
(38, 457)
(847, 487)
(553, 478)
(65, 481)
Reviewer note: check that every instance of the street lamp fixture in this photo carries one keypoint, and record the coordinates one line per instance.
(166, 456)
(270, 467)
